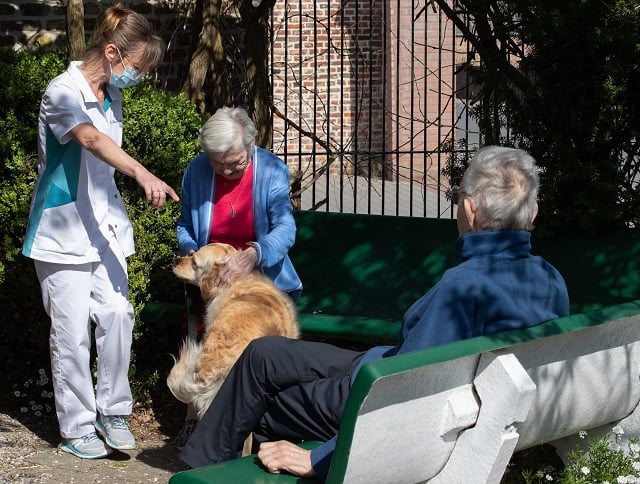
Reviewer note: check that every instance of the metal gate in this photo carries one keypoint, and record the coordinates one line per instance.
(368, 104)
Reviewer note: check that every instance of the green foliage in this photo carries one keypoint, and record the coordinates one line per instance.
(604, 460)
(456, 164)
(160, 131)
(562, 78)
(23, 324)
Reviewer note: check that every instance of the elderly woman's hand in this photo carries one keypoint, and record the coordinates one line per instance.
(239, 264)
(285, 456)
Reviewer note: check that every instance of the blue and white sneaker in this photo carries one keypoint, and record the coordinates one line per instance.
(115, 431)
(87, 447)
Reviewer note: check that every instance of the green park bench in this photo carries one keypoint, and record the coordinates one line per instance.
(457, 412)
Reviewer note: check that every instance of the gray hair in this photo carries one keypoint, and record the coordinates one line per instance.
(503, 183)
(228, 128)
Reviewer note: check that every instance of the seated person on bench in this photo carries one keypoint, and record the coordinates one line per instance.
(286, 391)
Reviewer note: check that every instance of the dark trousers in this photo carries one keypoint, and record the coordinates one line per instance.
(279, 389)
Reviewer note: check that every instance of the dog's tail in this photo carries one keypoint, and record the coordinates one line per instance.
(181, 377)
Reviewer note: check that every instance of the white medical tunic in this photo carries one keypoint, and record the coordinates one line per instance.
(76, 208)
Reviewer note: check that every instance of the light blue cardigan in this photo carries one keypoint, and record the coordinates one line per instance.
(273, 221)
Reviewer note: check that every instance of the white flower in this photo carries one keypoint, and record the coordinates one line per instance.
(540, 474)
(548, 477)
(634, 447)
(17, 393)
(24, 409)
(622, 480)
(582, 434)
(41, 371)
(585, 471)
(636, 466)
(617, 430)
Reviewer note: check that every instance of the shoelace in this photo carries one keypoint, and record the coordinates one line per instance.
(89, 437)
(118, 422)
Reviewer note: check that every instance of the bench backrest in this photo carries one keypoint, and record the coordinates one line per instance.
(393, 417)
(369, 265)
(377, 266)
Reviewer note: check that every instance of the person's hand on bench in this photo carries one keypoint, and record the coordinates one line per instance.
(285, 456)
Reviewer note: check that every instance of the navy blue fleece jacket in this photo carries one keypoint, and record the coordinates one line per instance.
(499, 285)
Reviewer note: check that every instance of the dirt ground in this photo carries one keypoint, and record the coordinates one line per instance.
(29, 454)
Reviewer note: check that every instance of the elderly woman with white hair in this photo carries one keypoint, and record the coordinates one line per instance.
(238, 194)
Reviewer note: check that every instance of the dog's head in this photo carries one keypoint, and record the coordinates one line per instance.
(200, 268)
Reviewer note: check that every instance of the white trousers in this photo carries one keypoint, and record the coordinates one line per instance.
(74, 295)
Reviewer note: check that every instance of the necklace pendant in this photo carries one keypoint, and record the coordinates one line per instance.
(233, 213)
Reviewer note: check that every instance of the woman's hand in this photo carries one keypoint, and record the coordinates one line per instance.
(284, 456)
(103, 147)
(239, 264)
(155, 189)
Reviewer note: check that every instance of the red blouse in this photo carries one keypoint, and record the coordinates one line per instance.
(232, 219)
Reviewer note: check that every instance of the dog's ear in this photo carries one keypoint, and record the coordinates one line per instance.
(208, 288)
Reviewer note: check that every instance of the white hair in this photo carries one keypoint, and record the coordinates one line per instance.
(503, 183)
(228, 128)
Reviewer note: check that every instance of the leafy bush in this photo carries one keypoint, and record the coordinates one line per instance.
(161, 131)
(604, 461)
(560, 80)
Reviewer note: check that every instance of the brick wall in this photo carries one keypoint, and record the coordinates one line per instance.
(375, 85)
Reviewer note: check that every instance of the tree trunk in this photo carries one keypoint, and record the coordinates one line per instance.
(256, 22)
(74, 13)
(206, 68)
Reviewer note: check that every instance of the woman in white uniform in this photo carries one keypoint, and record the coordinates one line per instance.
(79, 234)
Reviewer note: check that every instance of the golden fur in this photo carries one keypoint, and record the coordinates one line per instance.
(237, 313)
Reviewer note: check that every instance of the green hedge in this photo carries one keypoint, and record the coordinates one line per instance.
(160, 131)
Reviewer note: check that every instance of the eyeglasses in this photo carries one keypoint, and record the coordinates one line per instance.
(229, 159)
(133, 65)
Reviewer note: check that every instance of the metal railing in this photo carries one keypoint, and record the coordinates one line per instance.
(369, 104)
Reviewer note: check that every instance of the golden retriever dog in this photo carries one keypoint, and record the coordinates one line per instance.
(236, 313)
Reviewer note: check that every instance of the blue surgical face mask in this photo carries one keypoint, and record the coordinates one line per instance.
(128, 78)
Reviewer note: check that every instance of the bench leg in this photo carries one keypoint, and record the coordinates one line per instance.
(482, 453)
